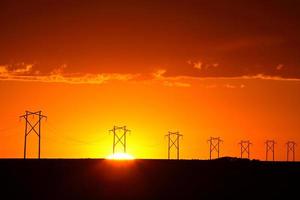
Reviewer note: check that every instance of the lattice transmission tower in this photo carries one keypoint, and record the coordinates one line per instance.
(245, 148)
(173, 141)
(290, 147)
(119, 137)
(270, 148)
(214, 146)
(35, 126)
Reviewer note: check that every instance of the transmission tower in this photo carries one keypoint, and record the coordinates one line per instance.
(214, 145)
(290, 147)
(173, 141)
(33, 126)
(245, 148)
(119, 137)
(270, 147)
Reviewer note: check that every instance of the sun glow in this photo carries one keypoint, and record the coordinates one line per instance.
(120, 156)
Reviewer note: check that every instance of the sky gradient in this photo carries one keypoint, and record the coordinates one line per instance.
(204, 68)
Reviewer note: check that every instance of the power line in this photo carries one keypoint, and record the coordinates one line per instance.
(74, 140)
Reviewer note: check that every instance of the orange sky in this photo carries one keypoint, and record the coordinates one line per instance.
(80, 116)
(204, 68)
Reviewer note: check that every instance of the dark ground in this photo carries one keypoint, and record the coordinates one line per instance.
(148, 179)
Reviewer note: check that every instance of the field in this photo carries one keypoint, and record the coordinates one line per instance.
(225, 178)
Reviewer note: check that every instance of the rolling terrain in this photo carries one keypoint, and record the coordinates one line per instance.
(225, 178)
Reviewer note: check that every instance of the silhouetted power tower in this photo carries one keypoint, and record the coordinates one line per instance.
(33, 126)
(290, 147)
(173, 141)
(245, 148)
(119, 137)
(270, 148)
(214, 146)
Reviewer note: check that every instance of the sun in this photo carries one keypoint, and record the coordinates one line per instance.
(120, 156)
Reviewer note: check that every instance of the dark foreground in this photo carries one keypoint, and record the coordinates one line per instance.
(148, 179)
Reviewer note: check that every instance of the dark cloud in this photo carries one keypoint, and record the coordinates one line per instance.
(244, 38)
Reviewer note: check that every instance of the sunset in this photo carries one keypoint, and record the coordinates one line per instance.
(152, 86)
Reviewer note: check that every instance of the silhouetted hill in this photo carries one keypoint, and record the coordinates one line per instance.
(225, 178)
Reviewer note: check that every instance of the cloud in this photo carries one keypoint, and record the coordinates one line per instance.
(59, 70)
(158, 74)
(215, 64)
(201, 65)
(226, 86)
(27, 72)
(3, 70)
(57, 76)
(279, 67)
(176, 84)
(234, 86)
(240, 48)
(268, 77)
(198, 65)
(79, 79)
(26, 69)
(17, 69)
